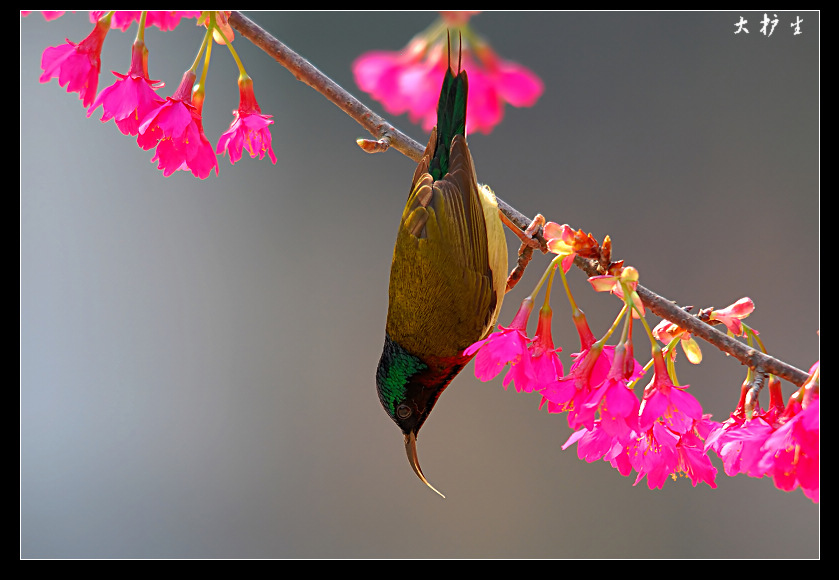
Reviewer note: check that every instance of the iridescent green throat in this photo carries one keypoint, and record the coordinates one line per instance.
(396, 367)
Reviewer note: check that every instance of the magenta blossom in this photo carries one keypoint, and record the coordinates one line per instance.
(677, 408)
(182, 144)
(738, 440)
(571, 392)
(545, 366)
(588, 371)
(47, 14)
(131, 98)
(659, 453)
(653, 455)
(731, 315)
(791, 454)
(77, 65)
(164, 19)
(594, 443)
(409, 81)
(694, 461)
(249, 129)
(616, 402)
(508, 345)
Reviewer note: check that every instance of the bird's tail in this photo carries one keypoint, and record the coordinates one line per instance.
(451, 116)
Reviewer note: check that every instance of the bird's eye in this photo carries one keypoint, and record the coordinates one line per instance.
(403, 411)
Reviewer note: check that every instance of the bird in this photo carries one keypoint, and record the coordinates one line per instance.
(448, 274)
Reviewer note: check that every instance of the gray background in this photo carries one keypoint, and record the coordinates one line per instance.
(197, 357)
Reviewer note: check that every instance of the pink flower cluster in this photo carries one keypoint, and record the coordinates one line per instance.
(657, 437)
(665, 433)
(408, 81)
(532, 362)
(172, 125)
(781, 442)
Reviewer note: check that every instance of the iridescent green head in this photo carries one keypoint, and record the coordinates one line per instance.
(396, 375)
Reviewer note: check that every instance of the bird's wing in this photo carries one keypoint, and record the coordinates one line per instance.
(442, 288)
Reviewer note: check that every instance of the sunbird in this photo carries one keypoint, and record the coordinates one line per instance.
(448, 276)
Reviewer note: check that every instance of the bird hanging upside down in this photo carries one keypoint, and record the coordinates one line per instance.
(448, 277)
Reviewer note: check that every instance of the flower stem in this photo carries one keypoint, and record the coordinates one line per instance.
(547, 275)
(141, 27)
(202, 49)
(565, 284)
(243, 75)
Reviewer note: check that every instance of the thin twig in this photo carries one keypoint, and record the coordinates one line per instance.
(307, 73)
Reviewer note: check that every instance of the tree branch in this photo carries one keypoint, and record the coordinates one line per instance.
(381, 129)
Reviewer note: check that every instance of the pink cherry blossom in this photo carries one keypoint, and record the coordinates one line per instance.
(571, 392)
(791, 453)
(401, 80)
(164, 19)
(560, 240)
(508, 345)
(545, 366)
(249, 129)
(653, 455)
(616, 403)
(131, 98)
(77, 65)
(408, 81)
(677, 408)
(593, 444)
(694, 461)
(739, 439)
(182, 144)
(731, 315)
(590, 368)
(47, 14)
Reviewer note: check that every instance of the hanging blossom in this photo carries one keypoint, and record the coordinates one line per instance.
(738, 440)
(781, 443)
(659, 438)
(408, 81)
(544, 365)
(506, 346)
(77, 66)
(661, 453)
(571, 392)
(47, 14)
(172, 125)
(164, 19)
(656, 454)
(614, 400)
(598, 384)
(131, 98)
(677, 408)
(182, 144)
(791, 453)
(249, 129)
(577, 392)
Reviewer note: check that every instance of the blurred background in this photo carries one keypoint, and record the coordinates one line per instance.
(197, 357)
